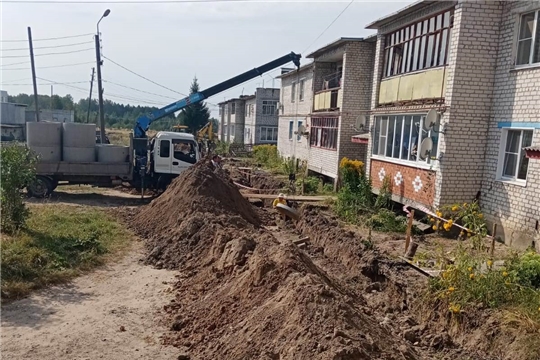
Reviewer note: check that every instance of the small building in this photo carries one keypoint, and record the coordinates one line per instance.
(56, 115)
(250, 120)
(295, 108)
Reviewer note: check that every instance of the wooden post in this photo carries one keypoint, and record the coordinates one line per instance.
(409, 230)
(493, 233)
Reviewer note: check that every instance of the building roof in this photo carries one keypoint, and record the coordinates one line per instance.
(339, 42)
(301, 68)
(400, 13)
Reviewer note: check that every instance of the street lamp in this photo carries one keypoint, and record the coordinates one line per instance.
(100, 86)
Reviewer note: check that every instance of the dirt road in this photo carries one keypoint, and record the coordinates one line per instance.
(83, 320)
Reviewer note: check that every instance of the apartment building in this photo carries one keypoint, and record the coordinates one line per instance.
(342, 88)
(295, 107)
(250, 120)
(475, 66)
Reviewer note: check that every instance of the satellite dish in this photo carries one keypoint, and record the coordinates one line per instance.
(425, 148)
(431, 119)
(361, 121)
(301, 129)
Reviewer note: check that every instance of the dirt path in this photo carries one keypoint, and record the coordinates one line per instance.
(82, 320)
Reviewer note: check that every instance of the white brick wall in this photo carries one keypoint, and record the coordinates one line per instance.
(295, 111)
(516, 99)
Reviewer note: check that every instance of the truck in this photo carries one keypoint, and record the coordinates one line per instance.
(153, 162)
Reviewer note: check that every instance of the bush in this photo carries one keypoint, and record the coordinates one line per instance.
(385, 220)
(472, 280)
(267, 155)
(355, 196)
(222, 148)
(17, 170)
(311, 184)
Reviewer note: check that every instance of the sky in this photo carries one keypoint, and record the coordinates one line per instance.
(169, 43)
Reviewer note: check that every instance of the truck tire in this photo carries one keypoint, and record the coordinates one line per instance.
(42, 187)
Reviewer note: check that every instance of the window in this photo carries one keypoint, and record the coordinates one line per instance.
(269, 133)
(324, 132)
(291, 129)
(399, 137)
(418, 46)
(298, 134)
(185, 151)
(233, 108)
(247, 110)
(269, 107)
(528, 45)
(301, 91)
(513, 163)
(231, 130)
(164, 148)
(293, 92)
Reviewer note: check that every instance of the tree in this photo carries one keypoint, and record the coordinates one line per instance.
(196, 115)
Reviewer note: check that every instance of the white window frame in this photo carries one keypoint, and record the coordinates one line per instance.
(301, 90)
(264, 129)
(298, 135)
(291, 130)
(427, 163)
(293, 91)
(502, 152)
(533, 39)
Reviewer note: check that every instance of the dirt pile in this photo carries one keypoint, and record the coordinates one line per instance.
(199, 213)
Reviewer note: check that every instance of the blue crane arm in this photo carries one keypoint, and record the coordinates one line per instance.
(143, 122)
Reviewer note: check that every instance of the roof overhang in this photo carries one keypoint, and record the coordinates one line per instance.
(333, 45)
(360, 139)
(400, 13)
(532, 152)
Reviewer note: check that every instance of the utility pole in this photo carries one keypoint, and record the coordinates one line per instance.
(100, 93)
(51, 97)
(33, 72)
(100, 85)
(90, 96)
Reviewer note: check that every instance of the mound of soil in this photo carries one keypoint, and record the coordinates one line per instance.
(201, 207)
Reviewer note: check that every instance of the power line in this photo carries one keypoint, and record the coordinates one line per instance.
(328, 27)
(19, 63)
(47, 39)
(47, 54)
(50, 67)
(52, 83)
(132, 1)
(142, 91)
(142, 77)
(50, 47)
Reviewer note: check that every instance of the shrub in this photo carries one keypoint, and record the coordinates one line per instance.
(17, 170)
(222, 148)
(267, 155)
(311, 184)
(385, 220)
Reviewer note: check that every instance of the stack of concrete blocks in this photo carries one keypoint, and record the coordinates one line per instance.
(108, 153)
(45, 138)
(79, 142)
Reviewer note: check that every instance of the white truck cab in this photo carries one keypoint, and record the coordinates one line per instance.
(174, 152)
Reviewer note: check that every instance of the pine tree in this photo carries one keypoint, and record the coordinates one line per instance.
(196, 115)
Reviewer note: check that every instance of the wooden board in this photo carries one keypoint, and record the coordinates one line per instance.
(289, 197)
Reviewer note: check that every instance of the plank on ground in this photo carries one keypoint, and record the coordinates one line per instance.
(289, 197)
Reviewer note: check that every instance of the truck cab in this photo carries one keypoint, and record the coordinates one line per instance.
(174, 152)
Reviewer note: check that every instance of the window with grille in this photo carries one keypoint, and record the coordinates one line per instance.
(324, 132)
(422, 45)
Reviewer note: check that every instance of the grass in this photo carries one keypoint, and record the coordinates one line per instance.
(58, 243)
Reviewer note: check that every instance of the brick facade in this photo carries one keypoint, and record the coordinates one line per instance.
(409, 184)
(516, 99)
(295, 111)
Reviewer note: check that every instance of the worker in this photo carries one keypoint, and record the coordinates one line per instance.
(280, 200)
(216, 161)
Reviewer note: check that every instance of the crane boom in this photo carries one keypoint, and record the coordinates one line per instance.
(143, 122)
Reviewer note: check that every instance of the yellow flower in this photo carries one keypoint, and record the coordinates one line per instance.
(489, 263)
(469, 268)
(480, 216)
(471, 276)
(451, 288)
(439, 214)
(455, 208)
(507, 283)
(469, 233)
(434, 227)
(464, 204)
(455, 308)
(539, 309)
(462, 233)
(431, 219)
(505, 274)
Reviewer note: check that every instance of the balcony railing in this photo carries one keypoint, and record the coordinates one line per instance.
(326, 100)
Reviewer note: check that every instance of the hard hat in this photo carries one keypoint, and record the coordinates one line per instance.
(281, 195)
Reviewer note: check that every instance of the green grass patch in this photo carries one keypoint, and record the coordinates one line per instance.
(58, 243)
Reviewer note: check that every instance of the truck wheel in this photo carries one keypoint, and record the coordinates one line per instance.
(42, 187)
